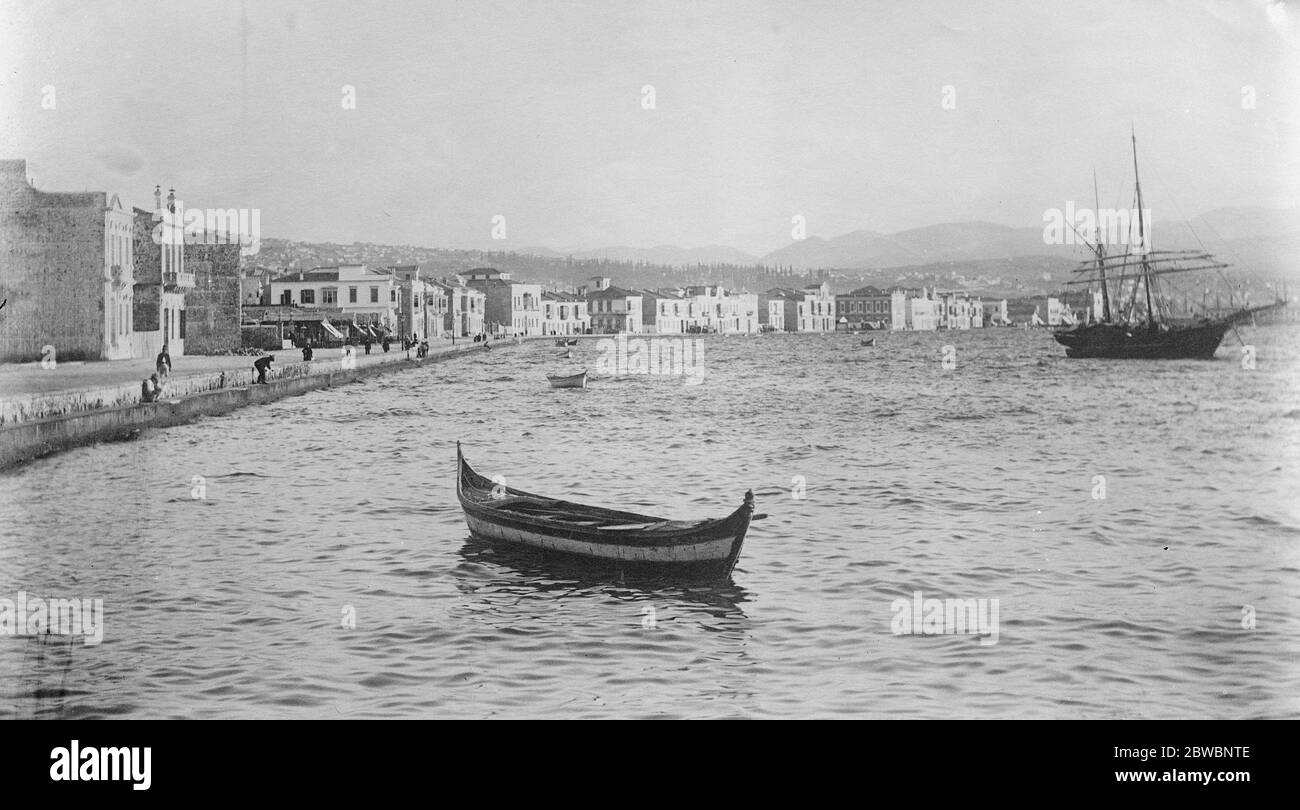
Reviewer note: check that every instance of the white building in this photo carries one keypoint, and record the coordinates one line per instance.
(364, 294)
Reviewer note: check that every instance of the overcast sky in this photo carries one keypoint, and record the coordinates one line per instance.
(535, 111)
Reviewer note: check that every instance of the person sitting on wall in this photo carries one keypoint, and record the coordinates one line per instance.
(261, 366)
(164, 362)
(150, 389)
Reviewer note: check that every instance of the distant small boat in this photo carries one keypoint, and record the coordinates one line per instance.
(568, 342)
(591, 534)
(871, 342)
(571, 381)
(566, 354)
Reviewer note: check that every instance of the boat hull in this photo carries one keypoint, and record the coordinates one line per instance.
(1108, 341)
(574, 381)
(641, 543)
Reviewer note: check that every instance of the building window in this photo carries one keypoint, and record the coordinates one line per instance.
(329, 295)
(374, 295)
(392, 296)
(352, 295)
(307, 297)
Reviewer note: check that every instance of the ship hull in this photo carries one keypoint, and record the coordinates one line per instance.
(1110, 341)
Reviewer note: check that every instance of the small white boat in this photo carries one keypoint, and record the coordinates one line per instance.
(571, 381)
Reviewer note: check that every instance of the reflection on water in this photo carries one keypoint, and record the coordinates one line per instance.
(327, 571)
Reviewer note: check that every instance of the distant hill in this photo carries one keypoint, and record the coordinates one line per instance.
(667, 255)
(979, 256)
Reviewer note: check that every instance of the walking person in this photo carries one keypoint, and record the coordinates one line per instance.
(261, 366)
(307, 353)
(164, 362)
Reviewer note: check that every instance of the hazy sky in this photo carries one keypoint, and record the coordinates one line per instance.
(762, 110)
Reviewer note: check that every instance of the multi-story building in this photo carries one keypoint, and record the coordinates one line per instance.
(66, 272)
(564, 314)
(811, 309)
(864, 307)
(771, 311)
(510, 307)
(420, 305)
(959, 311)
(995, 313)
(737, 313)
(614, 309)
(161, 279)
(363, 294)
(214, 307)
(462, 307)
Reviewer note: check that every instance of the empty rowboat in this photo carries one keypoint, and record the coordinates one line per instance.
(571, 381)
(591, 534)
(567, 354)
(569, 342)
(871, 342)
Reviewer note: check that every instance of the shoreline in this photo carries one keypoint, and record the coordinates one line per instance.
(25, 441)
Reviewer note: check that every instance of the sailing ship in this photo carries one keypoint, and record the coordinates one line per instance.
(1126, 329)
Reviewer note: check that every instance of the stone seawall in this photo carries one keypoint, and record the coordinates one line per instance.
(29, 440)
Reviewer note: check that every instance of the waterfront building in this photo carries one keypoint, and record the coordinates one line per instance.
(664, 311)
(564, 314)
(864, 307)
(161, 280)
(737, 313)
(957, 310)
(361, 294)
(214, 306)
(614, 309)
(510, 307)
(461, 305)
(1057, 312)
(771, 312)
(422, 308)
(995, 313)
(811, 309)
(66, 272)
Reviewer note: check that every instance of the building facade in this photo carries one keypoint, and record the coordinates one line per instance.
(509, 307)
(866, 307)
(66, 272)
(364, 295)
(214, 306)
(614, 310)
(564, 314)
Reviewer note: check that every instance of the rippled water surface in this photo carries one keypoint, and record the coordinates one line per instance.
(974, 482)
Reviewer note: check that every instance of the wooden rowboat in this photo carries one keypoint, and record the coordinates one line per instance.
(871, 342)
(572, 381)
(590, 534)
(567, 354)
(569, 342)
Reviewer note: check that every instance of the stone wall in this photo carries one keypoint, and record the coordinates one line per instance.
(213, 307)
(51, 270)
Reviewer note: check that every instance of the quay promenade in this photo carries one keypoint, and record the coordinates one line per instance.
(45, 410)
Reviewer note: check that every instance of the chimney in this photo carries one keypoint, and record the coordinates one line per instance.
(157, 198)
(171, 200)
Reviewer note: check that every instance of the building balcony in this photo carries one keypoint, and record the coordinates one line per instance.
(180, 281)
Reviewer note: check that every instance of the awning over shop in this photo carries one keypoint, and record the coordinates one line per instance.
(329, 327)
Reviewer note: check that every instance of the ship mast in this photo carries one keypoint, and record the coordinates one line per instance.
(1101, 250)
(1142, 236)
